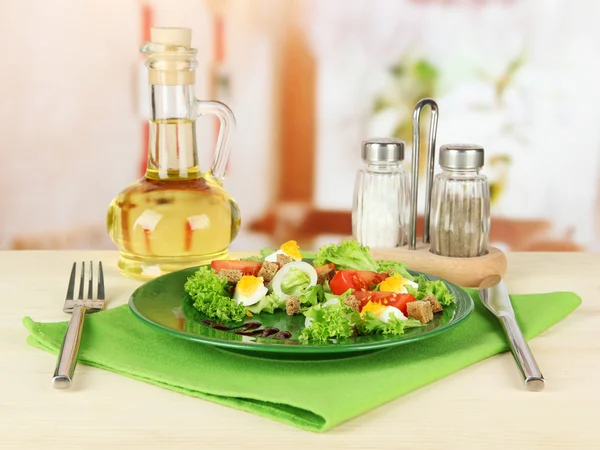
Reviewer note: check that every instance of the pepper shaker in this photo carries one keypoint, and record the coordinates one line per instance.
(380, 212)
(460, 205)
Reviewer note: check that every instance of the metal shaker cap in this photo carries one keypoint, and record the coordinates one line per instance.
(383, 150)
(461, 156)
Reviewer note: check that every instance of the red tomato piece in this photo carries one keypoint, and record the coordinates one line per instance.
(385, 298)
(246, 267)
(355, 279)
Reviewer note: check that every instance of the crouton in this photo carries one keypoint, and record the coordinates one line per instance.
(268, 270)
(231, 275)
(283, 259)
(435, 305)
(352, 302)
(325, 276)
(420, 310)
(292, 305)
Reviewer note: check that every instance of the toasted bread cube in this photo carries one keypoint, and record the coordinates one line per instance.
(268, 270)
(352, 302)
(231, 275)
(292, 305)
(435, 305)
(420, 310)
(283, 259)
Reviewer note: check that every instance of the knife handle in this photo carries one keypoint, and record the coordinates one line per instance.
(534, 380)
(67, 358)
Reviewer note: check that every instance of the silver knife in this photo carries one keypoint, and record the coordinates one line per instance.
(494, 295)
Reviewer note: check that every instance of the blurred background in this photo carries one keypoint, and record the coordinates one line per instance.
(308, 80)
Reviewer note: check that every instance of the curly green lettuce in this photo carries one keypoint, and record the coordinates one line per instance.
(347, 254)
(308, 297)
(438, 288)
(210, 297)
(312, 295)
(370, 324)
(269, 303)
(392, 267)
(336, 321)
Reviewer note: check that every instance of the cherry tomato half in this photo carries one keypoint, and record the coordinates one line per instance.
(385, 298)
(355, 279)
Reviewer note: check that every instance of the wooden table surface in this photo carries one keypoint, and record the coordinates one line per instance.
(482, 407)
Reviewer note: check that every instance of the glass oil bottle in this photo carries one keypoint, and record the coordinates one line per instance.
(176, 216)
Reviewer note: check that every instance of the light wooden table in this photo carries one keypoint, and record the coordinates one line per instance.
(482, 407)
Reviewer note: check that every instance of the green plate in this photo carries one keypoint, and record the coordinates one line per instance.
(162, 303)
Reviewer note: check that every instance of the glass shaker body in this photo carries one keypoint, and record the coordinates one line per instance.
(460, 213)
(380, 213)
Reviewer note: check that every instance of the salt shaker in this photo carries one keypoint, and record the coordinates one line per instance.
(460, 204)
(380, 211)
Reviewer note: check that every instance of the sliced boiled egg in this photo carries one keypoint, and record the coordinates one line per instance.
(249, 290)
(382, 312)
(289, 248)
(282, 273)
(390, 311)
(396, 283)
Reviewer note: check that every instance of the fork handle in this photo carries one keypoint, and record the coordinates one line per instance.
(67, 358)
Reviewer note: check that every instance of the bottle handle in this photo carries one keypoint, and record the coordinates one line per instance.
(222, 150)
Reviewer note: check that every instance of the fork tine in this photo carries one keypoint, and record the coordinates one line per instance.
(81, 281)
(90, 284)
(71, 287)
(100, 282)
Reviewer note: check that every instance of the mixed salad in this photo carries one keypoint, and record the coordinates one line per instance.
(342, 292)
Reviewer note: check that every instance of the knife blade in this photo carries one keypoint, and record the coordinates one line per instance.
(494, 296)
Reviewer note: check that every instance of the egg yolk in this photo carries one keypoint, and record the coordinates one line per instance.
(392, 284)
(375, 308)
(248, 285)
(291, 249)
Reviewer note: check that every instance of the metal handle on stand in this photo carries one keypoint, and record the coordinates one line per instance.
(412, 238)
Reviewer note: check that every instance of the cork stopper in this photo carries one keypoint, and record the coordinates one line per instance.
(171, 36)
(170, 56)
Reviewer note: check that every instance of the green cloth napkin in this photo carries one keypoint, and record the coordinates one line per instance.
(316, 395)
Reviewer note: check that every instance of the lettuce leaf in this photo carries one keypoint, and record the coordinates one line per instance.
(252, 258)
(269, 303)
(307, 255)
(294, 282)
(210, 297)
(330, 295)
(266, 251)
(312, 295)
(392, 267)
(335, 321)
(437, 288)
(372, 325)
(347, 254)
(272, 302)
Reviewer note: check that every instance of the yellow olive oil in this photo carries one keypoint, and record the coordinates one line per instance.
(176, 216)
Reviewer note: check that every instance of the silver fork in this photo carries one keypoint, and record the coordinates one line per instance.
(67, 358)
